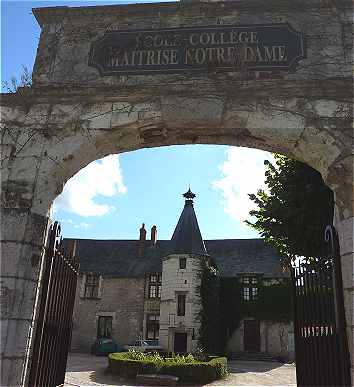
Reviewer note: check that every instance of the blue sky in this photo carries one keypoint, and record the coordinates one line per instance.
(109, 199)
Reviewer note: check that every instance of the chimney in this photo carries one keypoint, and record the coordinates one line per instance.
(142, 240)
(153, 235)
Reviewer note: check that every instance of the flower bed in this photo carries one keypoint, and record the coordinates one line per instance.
(186, 368)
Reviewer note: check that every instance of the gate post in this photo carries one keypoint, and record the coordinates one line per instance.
(345, 231)
(22, 240)
(340, 179)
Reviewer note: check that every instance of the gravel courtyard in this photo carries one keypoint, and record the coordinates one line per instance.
(89, 370)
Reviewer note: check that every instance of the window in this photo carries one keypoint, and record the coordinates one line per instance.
(181, 305)
(246, 294)
(250, 288)
(104, 327)
(91, 285)
(155, 286)
(182, 263)
(152, 326)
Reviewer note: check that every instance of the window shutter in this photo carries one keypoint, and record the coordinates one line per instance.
(82, 287)
(100, 281)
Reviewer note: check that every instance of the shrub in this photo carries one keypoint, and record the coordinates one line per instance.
(122, 364)
(144, 356)
(198, 371)
(181, 359)
(186, 368)
(200, 354)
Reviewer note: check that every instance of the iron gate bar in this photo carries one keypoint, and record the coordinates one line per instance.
(40, 318)
(322, 355)
(53, 333)
(46, 295)
(341, 307)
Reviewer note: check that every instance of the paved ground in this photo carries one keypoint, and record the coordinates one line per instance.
(88, 370)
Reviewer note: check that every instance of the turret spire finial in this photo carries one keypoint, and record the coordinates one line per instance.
(189, 195)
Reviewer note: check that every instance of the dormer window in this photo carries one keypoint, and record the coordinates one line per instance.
(250, 288)
(182, 263)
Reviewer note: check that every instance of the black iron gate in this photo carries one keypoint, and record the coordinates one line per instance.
(54, 319)
(322, 355)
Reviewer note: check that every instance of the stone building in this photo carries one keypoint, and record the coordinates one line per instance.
(74, 114)
(130, 289)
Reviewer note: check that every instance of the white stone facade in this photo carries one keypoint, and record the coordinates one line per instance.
(276, 339)
(177, 281)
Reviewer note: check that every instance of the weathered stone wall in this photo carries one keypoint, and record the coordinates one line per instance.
(121, 298)
(276, 339)
(67, 34)
(44, 144)
(53, 130)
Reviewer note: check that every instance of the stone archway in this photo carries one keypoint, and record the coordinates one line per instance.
(72, 116)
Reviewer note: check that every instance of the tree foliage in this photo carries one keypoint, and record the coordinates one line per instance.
(294, 210)
(274, 304)
(209, 314)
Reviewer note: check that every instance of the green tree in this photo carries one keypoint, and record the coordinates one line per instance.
(294, 210)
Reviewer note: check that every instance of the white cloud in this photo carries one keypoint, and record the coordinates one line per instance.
(103, 177)
(241, 174)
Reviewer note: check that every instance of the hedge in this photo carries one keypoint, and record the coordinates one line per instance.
(198, 371)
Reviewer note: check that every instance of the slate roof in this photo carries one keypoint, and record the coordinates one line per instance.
(119, 258)
(245, 256)
(187, 238)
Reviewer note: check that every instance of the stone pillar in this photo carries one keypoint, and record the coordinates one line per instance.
(341, 181)
(22, 240)
(345, 231)
(25, 200)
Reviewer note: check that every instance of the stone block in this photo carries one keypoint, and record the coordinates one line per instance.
(123, 113)
(266, 119)
(17, 297)
(345, 229)
(317, 148)
(23, 227)
(14, 335)
(328, 108)
(20, 260)
(12, 114)
(177, 111)
(347, 263)
(17, 194)
(11, 371)
(27, 141)
(97, 116)
(21, 169)
(65, 115)
(37, 117)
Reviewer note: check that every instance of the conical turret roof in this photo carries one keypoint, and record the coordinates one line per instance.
(187, 238)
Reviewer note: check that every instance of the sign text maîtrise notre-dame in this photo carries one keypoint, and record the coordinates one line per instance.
(258, 47)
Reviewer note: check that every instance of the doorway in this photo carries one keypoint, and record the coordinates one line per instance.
(252, 337)
(180, 343)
